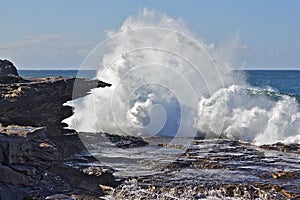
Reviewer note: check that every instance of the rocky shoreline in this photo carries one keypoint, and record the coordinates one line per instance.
(36, 151)
(39, 159)
(220, 169)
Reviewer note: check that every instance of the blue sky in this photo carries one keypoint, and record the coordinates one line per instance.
(58, 34)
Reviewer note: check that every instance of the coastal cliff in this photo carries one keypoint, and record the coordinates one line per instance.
(39, 101)
(39, 159)
(36, 151)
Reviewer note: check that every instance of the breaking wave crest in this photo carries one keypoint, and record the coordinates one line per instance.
(165, 82)
(251, 115)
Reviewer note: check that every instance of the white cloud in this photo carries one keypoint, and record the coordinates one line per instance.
(47, 51)
(30, 41)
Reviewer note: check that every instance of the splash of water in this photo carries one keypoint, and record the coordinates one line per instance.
(250, 116)
(166, 82)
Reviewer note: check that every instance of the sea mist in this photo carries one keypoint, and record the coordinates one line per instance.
(166, 81)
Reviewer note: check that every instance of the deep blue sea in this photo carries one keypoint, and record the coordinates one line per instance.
(65, 73)
(283, 81)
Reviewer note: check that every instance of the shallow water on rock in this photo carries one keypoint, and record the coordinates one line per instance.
(204, 168)
(137, 161)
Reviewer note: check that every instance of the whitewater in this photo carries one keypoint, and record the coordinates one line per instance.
(167, 81)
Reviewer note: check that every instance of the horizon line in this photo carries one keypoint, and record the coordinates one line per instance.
(249, 69)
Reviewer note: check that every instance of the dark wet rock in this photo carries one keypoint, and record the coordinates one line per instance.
(101, 84)
(219, 169)
(26, 145)
(93, 140)
(10, 176)
(32, 167)
(8, 72)
(80, 181)
(25, 152)
(172, 146)
(133, 189)
(37, 155)
(285, 175)
(292, 148)
(40, 101)
(126, 141)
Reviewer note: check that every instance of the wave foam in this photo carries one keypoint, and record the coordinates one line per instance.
(165, 82)
(237, 114)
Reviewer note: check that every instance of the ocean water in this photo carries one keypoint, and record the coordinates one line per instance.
(247, 163)
(284, 81)
(281, 81)
(64, 73)
(181, 88)
(266, 111)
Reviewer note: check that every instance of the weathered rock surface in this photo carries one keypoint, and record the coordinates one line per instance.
(92, 139)
(26, 145)
(8, 72)
(40, 101)
(37, 156)
(295, 148)
(126, 141)
(31, 166)
(220, 169)
(41, 160)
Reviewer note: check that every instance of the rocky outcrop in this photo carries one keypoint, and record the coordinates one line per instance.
(8, 72)
(39, 102)
(32, 167)
(120, 141)
(38, 157)
(26, 145)
(295, 148)
(219, 169)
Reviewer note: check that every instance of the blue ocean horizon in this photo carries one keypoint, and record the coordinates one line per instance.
(284, 81)
(64, 73)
